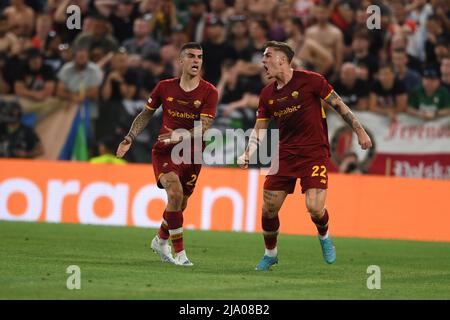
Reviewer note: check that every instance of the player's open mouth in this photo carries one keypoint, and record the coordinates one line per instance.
(195, 68)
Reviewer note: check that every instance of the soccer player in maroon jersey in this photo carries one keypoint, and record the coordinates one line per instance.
(293, 100)
(184, 100)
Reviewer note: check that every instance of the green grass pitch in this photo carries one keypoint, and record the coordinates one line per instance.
(117, 263)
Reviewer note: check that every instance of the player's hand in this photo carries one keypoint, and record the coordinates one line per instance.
(364, 140)
(123, 147)
(243, 160)
(170, 136)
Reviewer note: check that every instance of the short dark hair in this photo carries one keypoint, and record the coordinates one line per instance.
(386, 65)
(281, 46)
(191, 45)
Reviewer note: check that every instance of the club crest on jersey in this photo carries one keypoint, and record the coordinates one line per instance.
(270, 101)
(169, 99)
(294, 94)
(197, 103)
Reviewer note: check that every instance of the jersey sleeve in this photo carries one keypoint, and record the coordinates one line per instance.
(155, 98)
(263, 112)
(210, 106)
(321, 87)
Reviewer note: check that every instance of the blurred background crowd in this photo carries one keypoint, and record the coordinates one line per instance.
(124, 47)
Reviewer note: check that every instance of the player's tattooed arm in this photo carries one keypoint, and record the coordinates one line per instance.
(139, 123)
(336, 102)
(206, 122)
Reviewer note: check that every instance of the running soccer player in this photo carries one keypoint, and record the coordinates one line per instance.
(184, 100)
(293, 100)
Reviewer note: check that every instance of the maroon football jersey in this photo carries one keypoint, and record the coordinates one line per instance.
(298, 112)
(181, 108)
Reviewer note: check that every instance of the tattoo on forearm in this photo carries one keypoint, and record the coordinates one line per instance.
(140, 122)
(336, 102)
(206, 123)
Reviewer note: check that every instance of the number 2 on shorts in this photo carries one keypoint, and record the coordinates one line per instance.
(316, 169)
(192, 181)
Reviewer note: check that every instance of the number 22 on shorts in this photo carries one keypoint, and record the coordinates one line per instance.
(323, 171)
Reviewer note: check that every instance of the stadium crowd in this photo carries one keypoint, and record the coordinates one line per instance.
(124, 47)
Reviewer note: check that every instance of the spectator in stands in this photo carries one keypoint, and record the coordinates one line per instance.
(21, 18)
(281, 13)
(153, 71)
(216, 49)
(445, 73)
(99, 37)
(400, 42)
(141, 43)
(52, 51)
(120, 82)
(238, 38)
(420, 11)
(9, 43)
(343, 13)
(388, 95)
(309, 54)
(259, 29)
(220, 10)
(163, 20)
(195, 27)
(353, 91)
(43, 27)
(122, 19)
(360, 53)
(327, 35)
(441, 51)
(435, 32)
(410, 77)
(431, 100)
(261, 8)
(80, 78)
(16, 139)
(5, 79)
(36, 80)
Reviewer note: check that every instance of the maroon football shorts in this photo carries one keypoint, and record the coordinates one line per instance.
(187, 173)
(314, 175)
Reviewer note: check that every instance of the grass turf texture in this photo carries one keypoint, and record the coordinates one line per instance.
(117, 263)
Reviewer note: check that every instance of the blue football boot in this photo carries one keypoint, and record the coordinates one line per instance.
(328, 250)
(265, 263)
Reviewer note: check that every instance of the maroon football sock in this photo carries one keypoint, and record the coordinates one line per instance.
(270, 228)
(175, 223)
(164, 228)
(321, 223)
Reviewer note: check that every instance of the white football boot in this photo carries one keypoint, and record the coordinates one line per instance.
(182, 260)
(164, 251)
